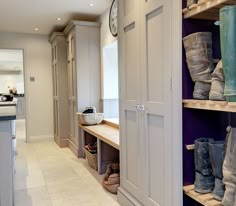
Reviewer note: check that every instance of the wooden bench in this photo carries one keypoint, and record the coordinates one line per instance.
(107, 135)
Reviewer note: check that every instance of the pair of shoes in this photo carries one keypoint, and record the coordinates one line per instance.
(92, 148)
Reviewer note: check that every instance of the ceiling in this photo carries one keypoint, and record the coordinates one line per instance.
(24, 16)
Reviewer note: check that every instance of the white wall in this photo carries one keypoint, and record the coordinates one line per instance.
(11, 79)
(110, 71)
(37, 60)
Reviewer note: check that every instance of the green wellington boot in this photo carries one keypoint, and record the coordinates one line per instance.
(228, 50)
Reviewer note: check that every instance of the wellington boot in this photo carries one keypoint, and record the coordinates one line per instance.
(228, 50)
(191, 2)
(229, 168)
(217, 84)
(201, 90)
(198, 48)
(204, 180)
(216, 154)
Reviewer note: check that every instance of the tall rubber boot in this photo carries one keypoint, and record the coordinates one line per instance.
(191, 2)
(204, 179)
(229, 168)
(216, 154)
(228, 50)
(218, 83)
(198, 48)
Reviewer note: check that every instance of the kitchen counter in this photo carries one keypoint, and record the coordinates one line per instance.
(18, 95)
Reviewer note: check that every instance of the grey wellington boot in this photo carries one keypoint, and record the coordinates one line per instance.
(198, 48)
(218, 83)
(204, 179)
(191, 2)
(216, 154)
(229, 168)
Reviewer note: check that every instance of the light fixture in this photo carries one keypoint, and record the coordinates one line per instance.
(58, 19)
(36, 29)
(91, 4)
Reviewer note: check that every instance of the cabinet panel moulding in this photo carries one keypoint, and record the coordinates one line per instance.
(204, 199)
(210, 105)
(206, 9)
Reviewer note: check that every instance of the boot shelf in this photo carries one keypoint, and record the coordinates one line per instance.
(210, 105)
(204, 199)
(206, 9)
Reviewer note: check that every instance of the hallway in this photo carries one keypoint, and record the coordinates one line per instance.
(47, 175)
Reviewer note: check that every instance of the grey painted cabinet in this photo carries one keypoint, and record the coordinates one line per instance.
(83, 65)
(144, 39)
(60, 89)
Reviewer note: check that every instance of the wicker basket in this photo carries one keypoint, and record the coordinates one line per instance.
(92, 159)
(90, 118)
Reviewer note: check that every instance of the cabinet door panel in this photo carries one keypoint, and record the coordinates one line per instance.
(154, 159)
(155, 73)
(156, 96)
(131, 69)
(132, 160)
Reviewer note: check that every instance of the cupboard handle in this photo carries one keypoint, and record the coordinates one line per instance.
(137, 107)
(142, 107)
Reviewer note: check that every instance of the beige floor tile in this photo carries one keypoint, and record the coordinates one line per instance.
(47, 175)
(33, 197)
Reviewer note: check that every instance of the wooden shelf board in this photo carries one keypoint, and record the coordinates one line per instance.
(210, 105)
(207, 9)
(204, 199)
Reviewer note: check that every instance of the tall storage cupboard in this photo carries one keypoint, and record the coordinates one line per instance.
(60, 89)
(150, 105)
(83, 66)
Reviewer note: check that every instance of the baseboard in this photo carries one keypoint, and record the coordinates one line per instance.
(61, 142)
(41, 138)
(126, 199)
(57, 140)
(74, 148)
(64, 143)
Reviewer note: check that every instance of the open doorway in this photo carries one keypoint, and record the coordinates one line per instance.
(12, 82)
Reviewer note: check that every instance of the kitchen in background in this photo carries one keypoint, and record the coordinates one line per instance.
(12, 77)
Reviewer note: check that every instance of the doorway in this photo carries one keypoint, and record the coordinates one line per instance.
(12, 76)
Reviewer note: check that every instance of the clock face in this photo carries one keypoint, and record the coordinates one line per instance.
(113, 18)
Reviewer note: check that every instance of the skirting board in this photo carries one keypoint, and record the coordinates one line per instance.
(42, 138)
(74, 148)
(61, 142)
(126, 199)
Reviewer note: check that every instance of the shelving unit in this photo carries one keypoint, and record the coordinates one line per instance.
(206, 9)
(210, 105)
(202, 123)
(204, 199)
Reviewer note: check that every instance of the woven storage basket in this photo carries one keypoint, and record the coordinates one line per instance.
(90, 118)
(92, 159)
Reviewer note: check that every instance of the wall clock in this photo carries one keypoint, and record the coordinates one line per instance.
(113, 18)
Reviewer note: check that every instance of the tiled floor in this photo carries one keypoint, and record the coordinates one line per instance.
(47, 175)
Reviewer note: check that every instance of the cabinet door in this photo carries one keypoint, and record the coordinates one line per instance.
(156, 98)
(72, 88)
(131, 171)
(71, 100)
(56, 116)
